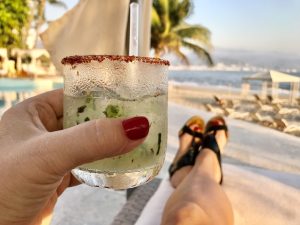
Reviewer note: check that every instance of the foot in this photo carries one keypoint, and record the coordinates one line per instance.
(185, 142)
(207, 159)
(221, 135)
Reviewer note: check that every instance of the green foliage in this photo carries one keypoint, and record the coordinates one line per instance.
(57, 3)
(169, 32)
(13, 18)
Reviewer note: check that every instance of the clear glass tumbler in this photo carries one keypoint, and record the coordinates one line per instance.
(103, 86)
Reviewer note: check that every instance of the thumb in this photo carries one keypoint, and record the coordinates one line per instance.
(93, 140)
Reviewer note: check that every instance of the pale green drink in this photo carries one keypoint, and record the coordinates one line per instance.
(101, 87)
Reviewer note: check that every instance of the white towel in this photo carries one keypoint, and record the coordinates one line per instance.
(255, 197)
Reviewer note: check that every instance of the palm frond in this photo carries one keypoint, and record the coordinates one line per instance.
(199, 51)
(184, 8)
(164, 5)
(155, 19)
(179, 9)
(57, 3)
(195, 32)
(169, 32)
(180, 55)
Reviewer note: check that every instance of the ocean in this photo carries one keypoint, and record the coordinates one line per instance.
(220, 79)
(216, 79)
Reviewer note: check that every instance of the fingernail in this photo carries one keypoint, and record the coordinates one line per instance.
(136, 128)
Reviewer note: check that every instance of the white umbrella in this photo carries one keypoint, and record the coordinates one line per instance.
(96, 27)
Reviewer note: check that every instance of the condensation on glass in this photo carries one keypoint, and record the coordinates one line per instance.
(118, 87)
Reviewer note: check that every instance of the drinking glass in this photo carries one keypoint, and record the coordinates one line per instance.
(106, 86)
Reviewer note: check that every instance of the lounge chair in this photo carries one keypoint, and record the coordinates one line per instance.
(257, 98)
(288, 111)
(224, 102)
(284, 126)
(210, 108)
(220, 102)
(235, 114)
(269, 99)
(228, 112)
(265, 121)
(265, 108)
(137, 198)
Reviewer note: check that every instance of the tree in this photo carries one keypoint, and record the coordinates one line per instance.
(170, 33)
(40, 13)
(13, 19)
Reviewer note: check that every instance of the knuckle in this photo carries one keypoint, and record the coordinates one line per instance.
(108, 138)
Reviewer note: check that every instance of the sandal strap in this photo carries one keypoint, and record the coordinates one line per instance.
(188, 130)
(188, 159)
(216, 128)
(210, 143)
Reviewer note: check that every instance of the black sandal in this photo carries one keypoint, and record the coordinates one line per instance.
(189, 158)
(210, 141)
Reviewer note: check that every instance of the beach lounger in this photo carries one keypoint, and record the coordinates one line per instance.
(210, 108)
(146, 203)
(220, 102)
(265, 121)
(224, 102)
(265, 108)
(284, 126)
(269, 99)
(257, 98)
(288, 111)
(137, 198)
(280, 110)
(235, 114)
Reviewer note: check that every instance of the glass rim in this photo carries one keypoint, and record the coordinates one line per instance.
(79, 59)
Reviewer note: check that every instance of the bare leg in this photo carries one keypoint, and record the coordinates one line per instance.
(198, 198)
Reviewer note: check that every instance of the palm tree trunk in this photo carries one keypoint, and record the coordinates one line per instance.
(41, 8)
(157, 53)
(26, 29)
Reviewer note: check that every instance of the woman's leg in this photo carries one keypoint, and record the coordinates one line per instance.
(199, 198)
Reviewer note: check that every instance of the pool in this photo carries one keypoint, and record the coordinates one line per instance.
(29, 85)
(13, 91)
(17, 85)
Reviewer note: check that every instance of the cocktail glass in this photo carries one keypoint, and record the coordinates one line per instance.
(103, 86)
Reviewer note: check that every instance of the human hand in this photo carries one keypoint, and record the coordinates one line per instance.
(36, 155)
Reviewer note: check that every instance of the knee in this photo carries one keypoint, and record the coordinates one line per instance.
(186, 214)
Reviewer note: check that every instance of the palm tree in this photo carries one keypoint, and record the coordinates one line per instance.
(40, 12)
(169, 32)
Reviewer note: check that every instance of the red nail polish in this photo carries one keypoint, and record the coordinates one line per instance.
(196, 128)
(136, 128)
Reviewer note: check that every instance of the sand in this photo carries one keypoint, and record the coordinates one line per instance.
(240, 106)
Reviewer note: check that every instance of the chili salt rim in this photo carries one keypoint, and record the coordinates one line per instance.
(78, 59)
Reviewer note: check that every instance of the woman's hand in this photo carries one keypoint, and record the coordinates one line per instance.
(36, 155)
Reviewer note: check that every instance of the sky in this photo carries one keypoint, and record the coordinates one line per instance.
(255, 25)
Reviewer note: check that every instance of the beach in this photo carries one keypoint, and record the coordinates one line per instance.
(279, 113)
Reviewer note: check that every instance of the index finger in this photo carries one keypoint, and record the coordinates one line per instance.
(54, 99)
